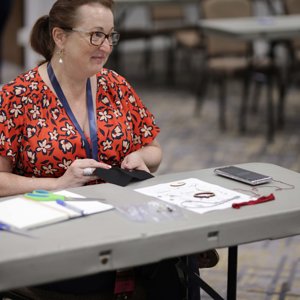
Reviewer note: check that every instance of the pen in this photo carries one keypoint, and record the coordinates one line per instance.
(69, 206)
(12, 229)
(232, 198)
(227, 200)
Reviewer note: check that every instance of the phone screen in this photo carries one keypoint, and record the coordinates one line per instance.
(243, 175)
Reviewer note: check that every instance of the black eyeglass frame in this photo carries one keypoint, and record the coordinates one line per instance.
(111, 40)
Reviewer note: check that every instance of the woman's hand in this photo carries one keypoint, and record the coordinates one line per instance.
(147, 158)
(77, 175)
(134, 161)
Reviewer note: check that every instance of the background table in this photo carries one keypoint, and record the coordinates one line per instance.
(251, 28)
(273, 29)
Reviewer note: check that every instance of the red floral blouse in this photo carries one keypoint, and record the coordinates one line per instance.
(37, 135)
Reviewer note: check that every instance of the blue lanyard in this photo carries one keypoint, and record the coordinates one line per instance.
(91, 153)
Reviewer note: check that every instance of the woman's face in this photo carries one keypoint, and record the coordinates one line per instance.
(78, 51)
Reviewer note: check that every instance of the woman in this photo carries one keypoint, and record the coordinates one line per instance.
(69, 114)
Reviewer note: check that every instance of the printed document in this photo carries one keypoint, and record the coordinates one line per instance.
(195, 195)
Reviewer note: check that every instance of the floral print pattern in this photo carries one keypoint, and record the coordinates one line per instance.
(39, 138)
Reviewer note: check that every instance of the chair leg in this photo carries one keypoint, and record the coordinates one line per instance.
(222, 104)
(270, 110)
(115, 61)
(244, 104)
(195, 283)
(259, 80)
(170, 68)
(284, 78)
(193, 289)
(201, 92)
(148, 57)
(281, 105)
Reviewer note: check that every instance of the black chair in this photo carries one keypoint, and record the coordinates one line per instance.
(228, 58)
(167, 19)
(164, 20)
(225, 57)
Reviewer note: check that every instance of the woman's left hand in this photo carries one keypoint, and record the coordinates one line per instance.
(134, 161)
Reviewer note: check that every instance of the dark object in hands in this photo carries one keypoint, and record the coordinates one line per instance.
(120, 176)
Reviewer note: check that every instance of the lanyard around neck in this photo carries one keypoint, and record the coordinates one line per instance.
(91, 153)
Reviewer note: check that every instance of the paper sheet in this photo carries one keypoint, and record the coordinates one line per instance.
(182, 193)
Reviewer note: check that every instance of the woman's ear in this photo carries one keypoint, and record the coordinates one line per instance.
(59, 37)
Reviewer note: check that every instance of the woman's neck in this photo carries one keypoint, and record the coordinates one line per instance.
(69, 81)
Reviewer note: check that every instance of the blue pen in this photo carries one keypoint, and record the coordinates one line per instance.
(69, 206)
(15, 230)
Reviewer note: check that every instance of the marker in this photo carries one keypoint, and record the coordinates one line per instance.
(69, 206)
(15, 230)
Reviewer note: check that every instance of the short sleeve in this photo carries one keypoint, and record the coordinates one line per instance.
(144, 124)
(11, 122)
(140, 120)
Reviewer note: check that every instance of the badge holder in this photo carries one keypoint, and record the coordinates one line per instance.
(152, 211)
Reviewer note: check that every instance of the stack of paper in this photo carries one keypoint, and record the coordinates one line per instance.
(26, 213)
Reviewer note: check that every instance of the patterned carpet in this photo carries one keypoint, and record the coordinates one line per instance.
(191, 142)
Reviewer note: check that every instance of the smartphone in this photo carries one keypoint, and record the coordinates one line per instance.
(243, 175)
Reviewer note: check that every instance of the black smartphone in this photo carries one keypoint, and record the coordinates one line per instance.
(243, 175)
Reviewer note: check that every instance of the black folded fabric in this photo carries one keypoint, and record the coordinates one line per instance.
(120, 176)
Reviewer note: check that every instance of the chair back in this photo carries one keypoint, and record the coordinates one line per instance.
(167, 14)
(292, 7)
(222, 9)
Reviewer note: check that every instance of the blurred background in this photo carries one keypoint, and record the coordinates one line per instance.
(163, 53)
(197, 96)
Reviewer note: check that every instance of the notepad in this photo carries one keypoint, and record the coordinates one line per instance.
(25, 213)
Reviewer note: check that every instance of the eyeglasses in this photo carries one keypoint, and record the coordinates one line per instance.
(97, 38)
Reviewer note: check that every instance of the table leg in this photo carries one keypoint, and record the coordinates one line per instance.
(195, 282)
(232, 272)
(270, 111)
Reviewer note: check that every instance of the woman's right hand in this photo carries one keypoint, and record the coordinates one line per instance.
(77, 176)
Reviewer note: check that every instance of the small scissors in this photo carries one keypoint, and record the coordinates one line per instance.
(43, 195)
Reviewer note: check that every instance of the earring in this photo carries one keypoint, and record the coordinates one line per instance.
(60, 53)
